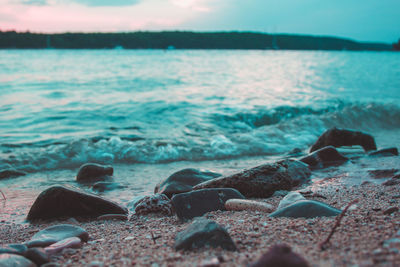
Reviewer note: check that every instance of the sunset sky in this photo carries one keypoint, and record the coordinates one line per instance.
(364, 20)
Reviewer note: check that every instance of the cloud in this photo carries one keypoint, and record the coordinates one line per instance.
(35, 2)
(95, 3)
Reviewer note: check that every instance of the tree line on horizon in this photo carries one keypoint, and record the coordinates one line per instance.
(183, 40)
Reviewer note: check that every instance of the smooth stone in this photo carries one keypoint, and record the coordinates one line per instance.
(203, 233)
(71, 242)
(59, 201)
(264, 180)
(57, 233)
(18, 249)
(183, 181)
(306, 209)
(385, 173)
(386, 152)
(37, 255)
(196, 203)
(133, 203)
(390, 210)
(11, 173)
(13, 260)
(245, 204)
(280, 256)
(391, 182)
(92, 172)
(324, 157)
(342, 137)
(106, 186)
(121, 217)
(290, 199)
(157, 203)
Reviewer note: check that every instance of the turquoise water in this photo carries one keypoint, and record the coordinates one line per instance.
(62, 108)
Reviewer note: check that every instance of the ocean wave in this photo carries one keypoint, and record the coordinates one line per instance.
(219, 136)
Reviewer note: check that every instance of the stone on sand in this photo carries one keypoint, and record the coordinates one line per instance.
(8, 260)
(246, 204)
(306, 209)
(324, 157)
(289, 199)
(157, 203)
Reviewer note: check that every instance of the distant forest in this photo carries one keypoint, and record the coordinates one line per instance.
(183, 40)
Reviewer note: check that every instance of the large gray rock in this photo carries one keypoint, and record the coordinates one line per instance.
(306, 209)
(264, 180)
(59, 201)
(196, 203)
(92, 172)
(203, 233)
(280, 256)
(56, 233)
(183, 181)
(324, 157)
(13, 260)
(341, 137)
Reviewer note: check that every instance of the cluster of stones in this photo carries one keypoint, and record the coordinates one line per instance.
(191, 193)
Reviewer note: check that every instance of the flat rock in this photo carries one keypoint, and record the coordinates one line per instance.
(290, 199)
(13, 260)
(92, 172)
(18, 249)
(37, 255)
(56, 233)
(386, 152)
(245, 204)
(157, 203)
(306, 209)
(71, 242)
(183, 181)
(324, 157)
(106, 186)
(203, 233)
(196, 203)
(282, 256)
(59, 201)
(342, 137)
(385, 173)
(11, 173)
(264, 180)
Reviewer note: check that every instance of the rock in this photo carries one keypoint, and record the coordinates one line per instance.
(390, 210)
(378, 174)
(133, 203)
(282, 256)
(183, 181)
(10, 173)
(341, 137)
(59, 201)
(18, 249)
(306, 209)
(264, 180)
(157, 203)
(196, 203)
(71, 242)
(387, 152)
(57, 233)
(245, 204)
(106, 186)
(203, 233)
(37, 255)
(391, 182)
(289, 199)
(92, 172)
(324, 157)
(121, 217)
(13, 260)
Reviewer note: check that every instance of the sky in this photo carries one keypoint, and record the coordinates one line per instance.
(362, 20)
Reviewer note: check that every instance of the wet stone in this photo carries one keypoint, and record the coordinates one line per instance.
(306, 209)
(18, 249)
(289, 199)
(8, 260)
(11, 173)
(37, 255)
(157, 203)
(386, 152)
(106, 186)
(324, 157)
(92, 172)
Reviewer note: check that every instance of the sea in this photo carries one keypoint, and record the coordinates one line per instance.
(149, 113)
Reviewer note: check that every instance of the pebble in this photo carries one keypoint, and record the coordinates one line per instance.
(245, 204)
(289, 199)
(306, 209)
(390, 210)
(11, 260)
(157, 203)
(72, 242)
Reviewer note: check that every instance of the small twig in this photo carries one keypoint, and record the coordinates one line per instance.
(339, 218)
(154, 237)
(4, 196)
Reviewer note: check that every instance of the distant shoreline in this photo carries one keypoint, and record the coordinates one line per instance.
(170, 40)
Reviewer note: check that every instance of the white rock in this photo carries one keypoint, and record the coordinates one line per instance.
(245, 204)
(71, 242)
(289, 199)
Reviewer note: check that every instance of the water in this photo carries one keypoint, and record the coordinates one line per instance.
(151, 112)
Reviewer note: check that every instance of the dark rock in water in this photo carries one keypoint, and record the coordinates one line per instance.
(10, 173)
(387, 152)
(13, 260)
(183, 181)
(324, 157)
(203, 233)
(18, 249)
(295, 152)
(59, 201)
(386, 173)
(157, 203)
(306, 209)
(37, 255)
(92, 172)
(56, 233)
(264, 180)
(391, 182)
(341, 137)
(106, 186)
(282, 256)
(196, 203)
